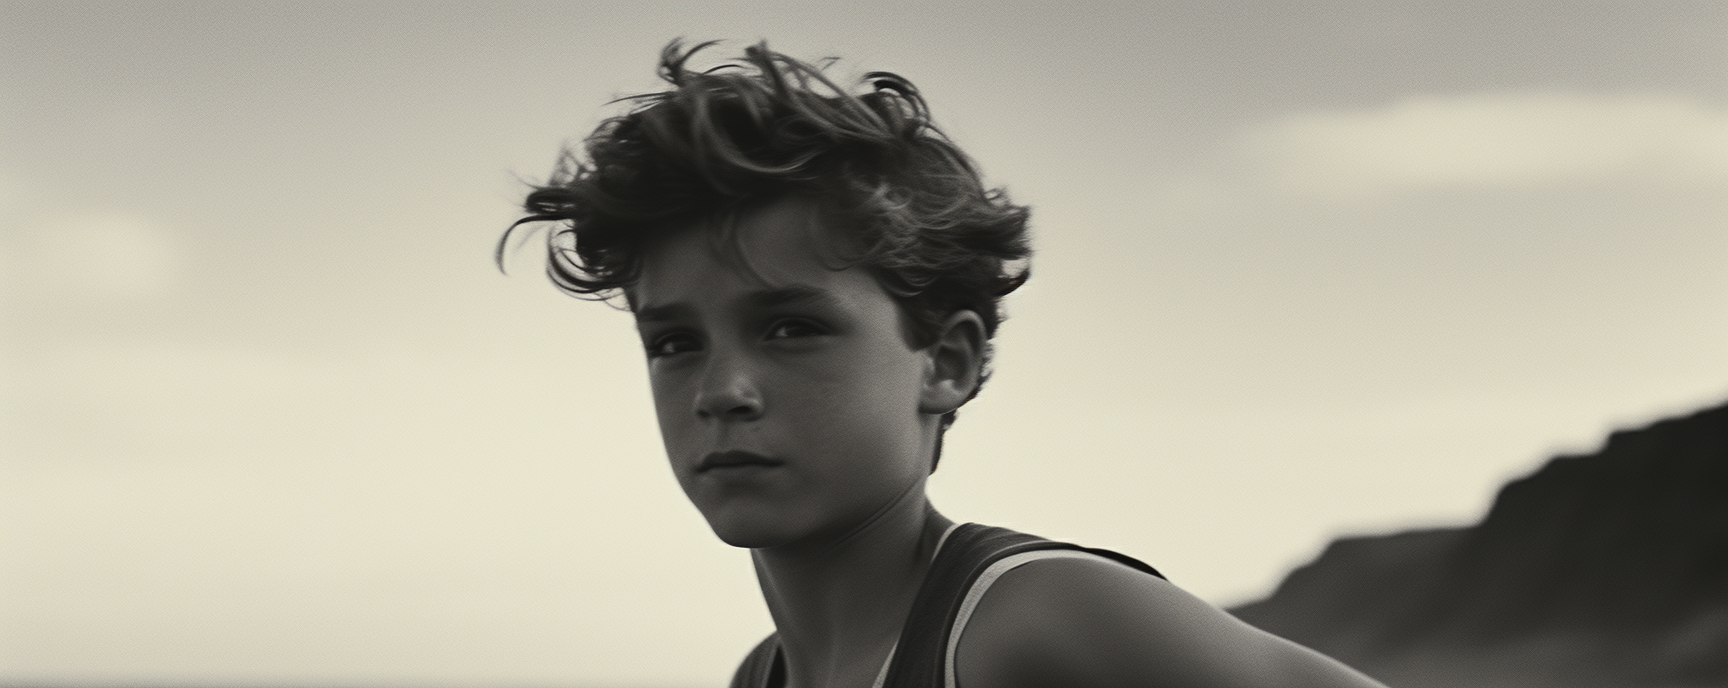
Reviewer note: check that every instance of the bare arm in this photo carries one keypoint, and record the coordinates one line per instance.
(1085, 622)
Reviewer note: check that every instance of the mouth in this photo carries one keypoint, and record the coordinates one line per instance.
(735, 459)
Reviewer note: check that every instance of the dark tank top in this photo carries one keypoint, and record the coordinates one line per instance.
(920, 657)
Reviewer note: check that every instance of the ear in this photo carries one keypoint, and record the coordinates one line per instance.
(954, 364)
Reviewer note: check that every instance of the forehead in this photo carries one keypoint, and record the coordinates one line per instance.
(783, 244)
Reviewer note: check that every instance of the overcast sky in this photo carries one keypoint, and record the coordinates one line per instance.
(268, 414)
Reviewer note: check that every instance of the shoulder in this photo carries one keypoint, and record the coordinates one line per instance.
(1088, 621)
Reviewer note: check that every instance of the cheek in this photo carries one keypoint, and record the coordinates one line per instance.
(671, 406)
(874, 406)
(892, 377)
(858, 381)
(662, 391)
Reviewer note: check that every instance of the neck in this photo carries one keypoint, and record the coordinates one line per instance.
(839, 602)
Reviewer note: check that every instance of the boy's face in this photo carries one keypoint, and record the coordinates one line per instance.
(787, 394)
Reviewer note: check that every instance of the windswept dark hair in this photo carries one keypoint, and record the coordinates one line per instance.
(748, 131)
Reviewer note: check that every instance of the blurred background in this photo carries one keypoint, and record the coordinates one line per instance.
(270, 415)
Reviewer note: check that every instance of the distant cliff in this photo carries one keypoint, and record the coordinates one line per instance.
(1609, 569)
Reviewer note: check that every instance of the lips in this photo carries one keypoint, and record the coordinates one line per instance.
(734, 459)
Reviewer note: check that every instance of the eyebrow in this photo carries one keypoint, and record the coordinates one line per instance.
(766, 298)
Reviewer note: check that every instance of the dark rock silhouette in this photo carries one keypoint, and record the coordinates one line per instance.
(1609, 569)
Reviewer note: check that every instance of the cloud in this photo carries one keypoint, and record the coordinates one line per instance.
(11, 193)
(1492, 141)
(99, 257)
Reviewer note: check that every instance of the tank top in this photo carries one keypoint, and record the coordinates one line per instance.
(968, 560)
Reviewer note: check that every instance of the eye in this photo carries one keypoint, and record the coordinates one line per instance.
(792, 328)
(674, 343)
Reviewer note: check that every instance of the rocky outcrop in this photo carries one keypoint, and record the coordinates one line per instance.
(1608, 569)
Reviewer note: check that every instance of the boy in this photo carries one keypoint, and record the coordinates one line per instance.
(815, 276)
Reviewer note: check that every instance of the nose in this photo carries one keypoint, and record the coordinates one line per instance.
(729, 391)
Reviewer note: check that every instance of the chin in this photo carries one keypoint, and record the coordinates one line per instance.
(748, 540)
(753, 528)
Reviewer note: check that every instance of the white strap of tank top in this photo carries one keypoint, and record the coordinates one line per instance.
(982, 585)
(976, 594)
(882, 676)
